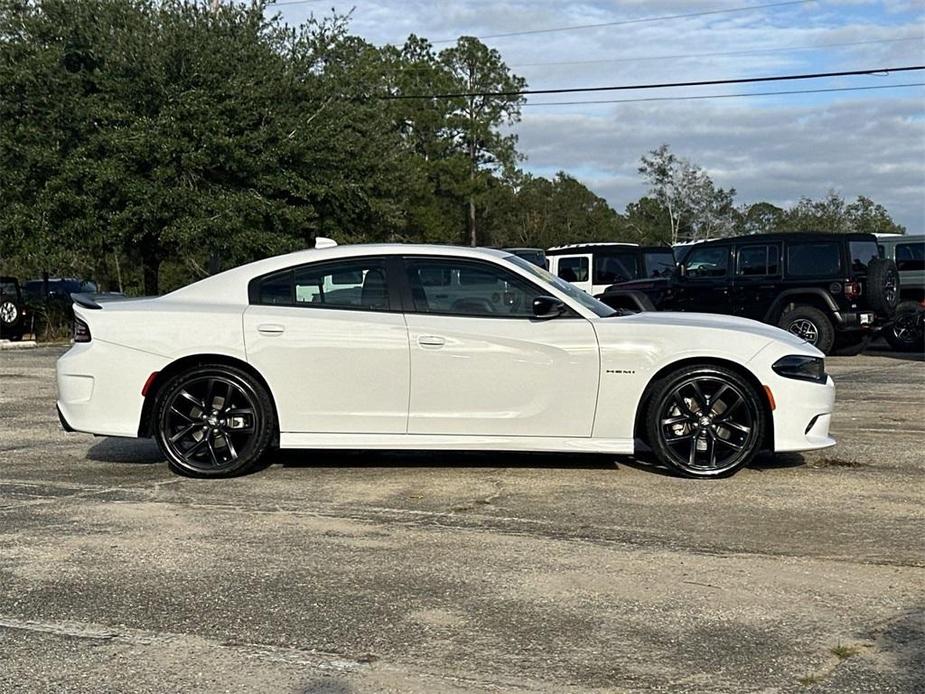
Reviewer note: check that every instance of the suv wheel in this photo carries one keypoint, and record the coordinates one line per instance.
(812, 325)
(213, 421)
(905, 333)
(705, 421)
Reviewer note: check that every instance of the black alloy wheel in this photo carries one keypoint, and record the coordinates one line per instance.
(705, 421)
(213, 421)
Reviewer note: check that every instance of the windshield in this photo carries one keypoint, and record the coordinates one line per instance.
(573, 292)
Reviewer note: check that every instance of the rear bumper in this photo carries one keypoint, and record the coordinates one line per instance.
(99, 388)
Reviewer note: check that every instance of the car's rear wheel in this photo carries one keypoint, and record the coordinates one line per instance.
(705, 421)
(810, 324)
(213, 421)
(905, 333)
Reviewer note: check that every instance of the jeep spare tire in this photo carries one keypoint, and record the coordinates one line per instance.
(883, 286)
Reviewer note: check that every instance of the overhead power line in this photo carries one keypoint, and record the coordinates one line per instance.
(750, 51)
(724, 96)
(660, 85)
(638, 20)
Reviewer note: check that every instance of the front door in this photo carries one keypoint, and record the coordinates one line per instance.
(332, 344)
(704, 285)
(481, 364)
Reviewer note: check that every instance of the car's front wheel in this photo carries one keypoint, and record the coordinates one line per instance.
(213, 421)
(705, 421)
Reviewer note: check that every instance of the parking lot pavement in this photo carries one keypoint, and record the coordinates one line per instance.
(368, 572)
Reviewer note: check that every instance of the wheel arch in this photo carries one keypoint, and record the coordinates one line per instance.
(639, 428)
(809, 296)
(146, 421)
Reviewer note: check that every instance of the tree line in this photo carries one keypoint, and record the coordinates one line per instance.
(147, 143)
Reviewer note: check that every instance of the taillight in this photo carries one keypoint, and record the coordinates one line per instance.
(81, 331)
(852, 290)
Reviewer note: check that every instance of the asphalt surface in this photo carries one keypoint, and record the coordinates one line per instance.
(372, 572)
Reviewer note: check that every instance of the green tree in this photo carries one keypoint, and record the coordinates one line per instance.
(489, 99)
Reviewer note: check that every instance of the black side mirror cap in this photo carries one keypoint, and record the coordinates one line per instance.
(547, 307)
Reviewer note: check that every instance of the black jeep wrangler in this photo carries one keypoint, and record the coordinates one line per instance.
(818, 286)
(13, 310)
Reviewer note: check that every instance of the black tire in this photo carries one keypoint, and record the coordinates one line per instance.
(213, 421)
(883, 290)
(705, 421)
(905, 333)
(812, 325)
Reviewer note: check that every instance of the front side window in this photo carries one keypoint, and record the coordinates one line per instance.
(349, 284)
(708, 261)
(862, 253)
(473, 289)
(757, 261)
(573, 269)
(910, 257)
(659, 263)
(813, 258)
(611, 267)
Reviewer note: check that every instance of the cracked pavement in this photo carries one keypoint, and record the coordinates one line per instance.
(342, 572)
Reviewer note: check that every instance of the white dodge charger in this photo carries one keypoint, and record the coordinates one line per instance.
(432, 347)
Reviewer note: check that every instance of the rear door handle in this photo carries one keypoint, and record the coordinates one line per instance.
(431, 341)
(271, 329)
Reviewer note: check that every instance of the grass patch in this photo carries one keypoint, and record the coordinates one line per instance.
(842, 651)
(808, 680)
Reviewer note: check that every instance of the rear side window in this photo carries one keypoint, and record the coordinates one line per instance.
(708, 261)
(910, 257)
(350, 284)
(757, 261)
(813, 258)
(862, 252)
(573, 269)
(611, 267)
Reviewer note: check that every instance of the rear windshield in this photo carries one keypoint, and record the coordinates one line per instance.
(813, 258)
(611, 267)
(862, 252)
(659, 263)
(910, 256)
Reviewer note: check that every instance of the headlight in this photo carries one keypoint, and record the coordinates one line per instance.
(800, 367)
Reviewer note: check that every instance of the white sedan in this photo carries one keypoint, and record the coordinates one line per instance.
(432, 347)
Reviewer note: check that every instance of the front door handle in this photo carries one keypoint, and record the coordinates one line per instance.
(271, 329)
(431, 341)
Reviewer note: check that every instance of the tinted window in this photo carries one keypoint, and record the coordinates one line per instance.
(813, 258)
(709, 261)
(474, 289)
(862, 252)
(350, 284)
(8, 288)
(755, 261)
(659, 263)
(910, 256)
(611, 267)
(573, 269)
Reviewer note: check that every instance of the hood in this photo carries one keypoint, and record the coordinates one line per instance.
(714, 321)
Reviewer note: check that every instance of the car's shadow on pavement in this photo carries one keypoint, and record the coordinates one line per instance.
(146, 452)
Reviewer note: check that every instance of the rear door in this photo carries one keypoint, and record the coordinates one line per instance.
(481, 364)
(331, 341)
(756, 283)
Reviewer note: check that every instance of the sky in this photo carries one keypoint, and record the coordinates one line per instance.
(773, 148)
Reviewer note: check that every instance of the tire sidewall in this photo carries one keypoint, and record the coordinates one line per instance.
(263, 419)
(663, 389)
(824, 328)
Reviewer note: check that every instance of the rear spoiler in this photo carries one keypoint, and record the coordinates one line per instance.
(85, 300)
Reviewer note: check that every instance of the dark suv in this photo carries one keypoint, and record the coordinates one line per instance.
(818, 286)
(13, 310)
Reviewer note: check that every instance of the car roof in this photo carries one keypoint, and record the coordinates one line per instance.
(900, 238)
(787, 236)
(569, 248)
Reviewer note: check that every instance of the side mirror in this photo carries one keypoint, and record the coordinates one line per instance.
(547, 307)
